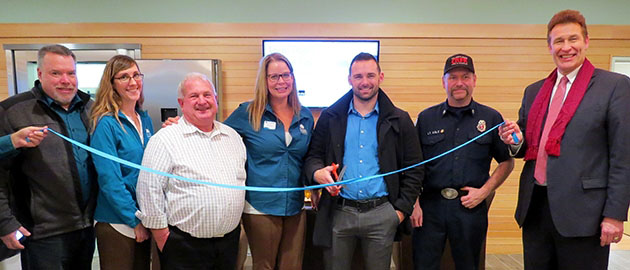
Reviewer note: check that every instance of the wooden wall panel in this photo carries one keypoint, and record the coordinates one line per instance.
(507, 58)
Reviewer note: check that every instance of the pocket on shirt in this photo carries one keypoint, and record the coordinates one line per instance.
(432, 139)
(479, 148)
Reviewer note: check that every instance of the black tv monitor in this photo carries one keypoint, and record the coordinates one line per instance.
(321, 67)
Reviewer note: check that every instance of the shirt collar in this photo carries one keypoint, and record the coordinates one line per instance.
(572, 75)
(351, 109)
(76, 101)
(189, 128)
(472, 108)
(302, 115)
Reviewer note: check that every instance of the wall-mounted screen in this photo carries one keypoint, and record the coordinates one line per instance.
(321, 67)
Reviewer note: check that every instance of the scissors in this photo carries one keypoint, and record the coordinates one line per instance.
(338, 177)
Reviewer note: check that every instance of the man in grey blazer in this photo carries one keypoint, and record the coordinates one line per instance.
(575, 188)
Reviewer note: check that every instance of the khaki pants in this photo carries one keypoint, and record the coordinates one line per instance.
(276, 242)
(119, 252)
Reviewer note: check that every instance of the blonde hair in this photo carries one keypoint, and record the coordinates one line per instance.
(108, 101)
(256, 109)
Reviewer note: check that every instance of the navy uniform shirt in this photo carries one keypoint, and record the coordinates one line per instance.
(441, 128)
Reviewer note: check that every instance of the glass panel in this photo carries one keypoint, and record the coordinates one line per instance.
(89, 76)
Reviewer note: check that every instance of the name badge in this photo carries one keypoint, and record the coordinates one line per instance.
(271, 125)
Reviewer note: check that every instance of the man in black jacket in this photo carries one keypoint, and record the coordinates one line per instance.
(52, 186)
(365, 133)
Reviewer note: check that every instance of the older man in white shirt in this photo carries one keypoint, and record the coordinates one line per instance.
(201, 222)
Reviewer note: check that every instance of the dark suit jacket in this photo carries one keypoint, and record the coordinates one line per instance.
(591, 177)
(398, 147)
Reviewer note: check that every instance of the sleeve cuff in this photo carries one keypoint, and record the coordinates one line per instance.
(514, 148)
(152, 222)
(6, 146)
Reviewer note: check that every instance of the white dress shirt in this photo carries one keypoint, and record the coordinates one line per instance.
(200, 210)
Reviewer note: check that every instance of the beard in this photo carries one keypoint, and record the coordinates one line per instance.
(365, 97)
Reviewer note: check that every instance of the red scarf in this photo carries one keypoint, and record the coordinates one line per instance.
(537, 112)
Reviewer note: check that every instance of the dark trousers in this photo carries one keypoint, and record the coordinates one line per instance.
(373, 229)
(68, 251)
(183, 251)
(119, 252)
(465, 229)
(544, 248)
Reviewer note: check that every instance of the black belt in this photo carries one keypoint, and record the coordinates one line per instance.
(446, 193)
(362, 205)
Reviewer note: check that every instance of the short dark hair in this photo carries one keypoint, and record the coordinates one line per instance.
(364, 57)
(56, 49)
(567, 16)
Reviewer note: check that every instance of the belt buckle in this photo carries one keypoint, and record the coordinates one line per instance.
(449, 193)
(363, 206)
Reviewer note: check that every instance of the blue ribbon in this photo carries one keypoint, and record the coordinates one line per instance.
(263, 189)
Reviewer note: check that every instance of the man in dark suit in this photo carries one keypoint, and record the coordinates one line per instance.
(364, 132)
(574, 188)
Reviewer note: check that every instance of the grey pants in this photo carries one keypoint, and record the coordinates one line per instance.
(374, 230)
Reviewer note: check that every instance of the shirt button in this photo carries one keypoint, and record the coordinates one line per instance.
(456, 158)
(362, 131)
(360, 191)
(360, 161)
(360, 176)
(360, 146)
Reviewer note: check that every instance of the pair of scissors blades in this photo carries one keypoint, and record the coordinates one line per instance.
(338, 177)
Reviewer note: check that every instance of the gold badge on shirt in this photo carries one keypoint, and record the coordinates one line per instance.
(481, 125)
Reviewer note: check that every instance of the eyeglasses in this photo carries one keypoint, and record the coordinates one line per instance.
(276, 77)
(125, 78)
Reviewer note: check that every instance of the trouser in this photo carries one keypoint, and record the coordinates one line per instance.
(119, 252)
(183, 251)
(68, 251)
(373, 229)
(544, 248)
(276, 242)
(442, 220)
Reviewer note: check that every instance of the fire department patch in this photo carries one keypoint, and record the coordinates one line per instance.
(481, 125)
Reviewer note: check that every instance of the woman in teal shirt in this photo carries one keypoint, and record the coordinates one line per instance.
(276, 130)
(122, 129)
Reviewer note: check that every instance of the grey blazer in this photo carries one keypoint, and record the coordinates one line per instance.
(591, 177)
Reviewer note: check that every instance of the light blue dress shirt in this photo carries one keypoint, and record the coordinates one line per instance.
(361, 156)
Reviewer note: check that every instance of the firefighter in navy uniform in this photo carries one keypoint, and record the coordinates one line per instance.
(452, 206)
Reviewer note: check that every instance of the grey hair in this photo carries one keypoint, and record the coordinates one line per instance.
(194, 76)
(55, 49)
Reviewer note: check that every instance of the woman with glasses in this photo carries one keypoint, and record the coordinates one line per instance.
(276, 130)
(120, 128)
